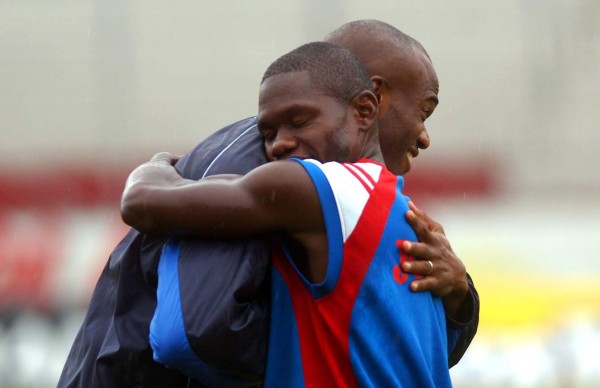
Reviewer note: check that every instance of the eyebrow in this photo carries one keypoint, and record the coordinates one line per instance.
(288, 111)
(434, 99)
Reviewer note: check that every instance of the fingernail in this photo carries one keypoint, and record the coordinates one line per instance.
(407, 245)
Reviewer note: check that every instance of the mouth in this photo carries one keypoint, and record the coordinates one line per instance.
(412, 153)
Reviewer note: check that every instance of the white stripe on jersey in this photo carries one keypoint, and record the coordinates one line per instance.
(351, 192)
(366, 180)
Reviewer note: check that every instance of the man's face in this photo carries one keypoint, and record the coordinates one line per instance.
(296, 120)
(411, 98)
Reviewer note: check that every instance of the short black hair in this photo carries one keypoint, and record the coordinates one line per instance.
(332, 69)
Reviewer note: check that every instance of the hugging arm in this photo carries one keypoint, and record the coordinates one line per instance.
(274, 197)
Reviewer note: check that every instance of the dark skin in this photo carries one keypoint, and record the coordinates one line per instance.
(276, 197)
(446, 279)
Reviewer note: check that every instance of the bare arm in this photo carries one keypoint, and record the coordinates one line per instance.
(275, 197)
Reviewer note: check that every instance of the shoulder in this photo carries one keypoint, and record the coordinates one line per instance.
(279, 183)
(279, 173)
(234, 149)
(364, 171)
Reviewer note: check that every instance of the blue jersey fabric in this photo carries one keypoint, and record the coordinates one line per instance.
(361, 326)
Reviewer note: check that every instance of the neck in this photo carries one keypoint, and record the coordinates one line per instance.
(371, 150)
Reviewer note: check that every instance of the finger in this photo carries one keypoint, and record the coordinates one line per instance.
(420, 213)
(430, 284)
(159, 157)
(425, 284)
(414, 208)
(419, 251)
(430, 223)
(418, 224)
(419, 267)
(165, 157)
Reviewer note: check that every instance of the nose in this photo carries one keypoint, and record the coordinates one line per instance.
(423, 141)
(282, 145)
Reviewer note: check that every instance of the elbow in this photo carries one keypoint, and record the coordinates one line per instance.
(134, 210)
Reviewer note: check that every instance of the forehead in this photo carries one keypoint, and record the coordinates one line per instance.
(284, 91)
(430, 75)
(418, 76)
(284, 86)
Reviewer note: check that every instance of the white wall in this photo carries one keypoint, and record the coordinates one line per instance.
(89, 79)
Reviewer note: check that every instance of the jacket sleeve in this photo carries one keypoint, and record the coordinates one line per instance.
(112, 346)
(460, 334)
(214, 328)
(235, 149)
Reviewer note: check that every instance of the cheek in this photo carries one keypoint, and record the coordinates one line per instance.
(269, 152)
(394, 137)
(390, 124)
(393, 153)
(337, 143)
(339, 139)
(404, 130)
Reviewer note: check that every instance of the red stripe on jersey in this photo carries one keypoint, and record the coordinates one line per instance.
(324, 324)
(364, 179)
(366, 174)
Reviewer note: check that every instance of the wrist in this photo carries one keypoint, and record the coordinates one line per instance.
(459, 305)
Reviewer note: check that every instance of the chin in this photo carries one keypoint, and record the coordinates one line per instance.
(404, 169)
(399, 170)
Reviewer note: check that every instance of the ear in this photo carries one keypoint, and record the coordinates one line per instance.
(366, 108)
(379, 86)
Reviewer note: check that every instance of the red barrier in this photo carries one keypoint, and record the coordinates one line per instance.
(57, 228)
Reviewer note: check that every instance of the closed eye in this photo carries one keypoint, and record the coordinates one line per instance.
(429, 106)
(300, 121)
(267, 133)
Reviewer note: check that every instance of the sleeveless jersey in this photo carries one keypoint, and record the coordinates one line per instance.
(362, 326)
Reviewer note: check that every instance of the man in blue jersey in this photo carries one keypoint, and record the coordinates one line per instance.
(112, 349)
(342, 310)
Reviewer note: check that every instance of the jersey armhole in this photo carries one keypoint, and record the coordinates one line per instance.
(333, 227)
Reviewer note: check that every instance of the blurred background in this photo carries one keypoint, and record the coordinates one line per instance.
(90, 89)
